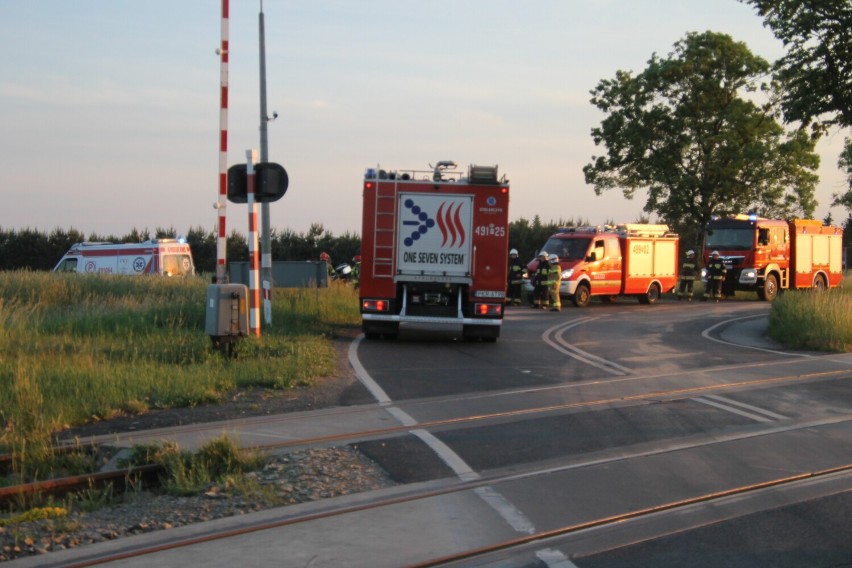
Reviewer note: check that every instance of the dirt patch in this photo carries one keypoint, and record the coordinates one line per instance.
(343, 389)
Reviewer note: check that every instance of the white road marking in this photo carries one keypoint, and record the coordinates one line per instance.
(725, 400)
(554, 558)
(511, 514)
(363, 376)
(706, 335)
(564, 347)
(731, 409)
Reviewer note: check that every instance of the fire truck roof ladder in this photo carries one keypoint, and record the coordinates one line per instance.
(385, 223)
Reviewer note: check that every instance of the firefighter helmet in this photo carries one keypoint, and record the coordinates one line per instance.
(543, 254)
(514, 252)
(553, 258)
(715, 253)
(324, 256)
(356, 258)
(690, 253)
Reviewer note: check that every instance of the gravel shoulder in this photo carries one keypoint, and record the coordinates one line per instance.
(298, 477)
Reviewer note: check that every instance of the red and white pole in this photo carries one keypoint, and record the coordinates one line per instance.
(221, 204)
(253, 246)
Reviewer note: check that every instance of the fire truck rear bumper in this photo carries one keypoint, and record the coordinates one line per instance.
(426, 323)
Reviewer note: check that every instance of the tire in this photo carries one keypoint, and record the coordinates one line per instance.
(582, 296)
(770, 288)
(652, 296)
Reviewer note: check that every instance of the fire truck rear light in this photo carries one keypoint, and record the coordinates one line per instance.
(375, 305)
(488, 309)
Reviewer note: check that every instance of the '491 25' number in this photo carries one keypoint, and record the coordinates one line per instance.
(490, 231)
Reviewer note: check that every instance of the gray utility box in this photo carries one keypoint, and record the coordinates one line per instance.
(227, 310)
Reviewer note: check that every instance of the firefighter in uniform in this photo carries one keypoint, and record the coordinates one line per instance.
(540, 291)
(324, 256)
(687, 276)
(355, 276)
(715, 276)
(515, 279)
(554, 280)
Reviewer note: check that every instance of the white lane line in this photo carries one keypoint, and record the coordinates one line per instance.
(706, 335)
(516, 519)
(730, 401)
(363, 376)
(511, 514)
(566, 348)
(554, 558)
(731, 409)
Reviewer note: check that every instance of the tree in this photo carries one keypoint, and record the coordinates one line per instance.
(686, 129)
(816, 71)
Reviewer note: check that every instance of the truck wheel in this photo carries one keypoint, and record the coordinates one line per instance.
(652, 296)
(770, 288)
(582, 296)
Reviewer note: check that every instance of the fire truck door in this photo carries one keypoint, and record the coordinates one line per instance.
(605, 270)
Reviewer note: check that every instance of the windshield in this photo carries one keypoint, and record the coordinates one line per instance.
(177, 265)
(568, 249)
(730, 239)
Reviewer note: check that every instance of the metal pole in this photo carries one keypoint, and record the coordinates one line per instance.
(265, 239)
(221, 204)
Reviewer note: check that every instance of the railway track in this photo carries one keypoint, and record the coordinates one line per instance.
(12, 494)
(406, 495)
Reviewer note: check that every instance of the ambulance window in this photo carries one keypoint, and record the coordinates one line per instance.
(177, 265)
(68, 265)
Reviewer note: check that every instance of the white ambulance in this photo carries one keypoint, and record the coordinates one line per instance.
(168, 257)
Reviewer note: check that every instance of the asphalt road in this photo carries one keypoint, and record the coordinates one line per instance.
(629, 385)
(617, 435)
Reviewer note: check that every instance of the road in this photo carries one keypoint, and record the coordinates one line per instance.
(617, 435)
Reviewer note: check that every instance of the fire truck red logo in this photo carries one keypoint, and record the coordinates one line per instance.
(450, 224)
(448, 220)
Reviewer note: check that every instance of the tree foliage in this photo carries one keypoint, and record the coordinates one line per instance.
(816, 71)
(687, 130)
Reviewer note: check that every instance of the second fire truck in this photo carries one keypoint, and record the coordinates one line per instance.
(769, 255)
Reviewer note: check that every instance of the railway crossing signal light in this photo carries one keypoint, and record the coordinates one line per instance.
(270, 183)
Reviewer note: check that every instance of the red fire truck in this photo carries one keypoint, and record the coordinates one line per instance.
(434, 247)
(768, 255)
(638, 260)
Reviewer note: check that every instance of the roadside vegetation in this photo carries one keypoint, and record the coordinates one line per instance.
(812, 321)
(75, 349)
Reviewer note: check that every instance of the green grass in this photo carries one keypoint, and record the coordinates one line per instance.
(77, 348)
(812, 321)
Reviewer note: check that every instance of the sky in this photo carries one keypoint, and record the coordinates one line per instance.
(109, 109)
